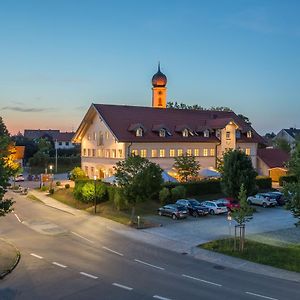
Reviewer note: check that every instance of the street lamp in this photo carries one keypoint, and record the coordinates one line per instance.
(95, 195)
(51, 167)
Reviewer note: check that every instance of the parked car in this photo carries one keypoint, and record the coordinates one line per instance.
(19, 177)
(230, 203)
(262, 199)
(215, 208)
(278, 196)
(174, 211)
(193, 206)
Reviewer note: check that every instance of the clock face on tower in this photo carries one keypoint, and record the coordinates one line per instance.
(159, 92)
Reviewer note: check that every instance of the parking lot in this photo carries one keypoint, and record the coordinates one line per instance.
(204, 229)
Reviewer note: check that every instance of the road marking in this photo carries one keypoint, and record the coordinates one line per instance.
(113, 251)
(18, 218)
(147, 264)
(35, 255)
(202, 280)
(261, 296)
(88, 275)
(59, 265)
(123, 286)
(82, 237)
(160, 297)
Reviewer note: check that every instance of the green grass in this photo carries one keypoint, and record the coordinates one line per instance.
(33, 198)
(287, 257)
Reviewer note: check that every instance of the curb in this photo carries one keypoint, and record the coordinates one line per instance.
(6, 272)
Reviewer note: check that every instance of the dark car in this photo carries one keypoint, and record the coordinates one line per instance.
(174, 211)
(193, 206)
(278, 196)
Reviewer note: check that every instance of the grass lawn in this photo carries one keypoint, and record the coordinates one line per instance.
(287, 257)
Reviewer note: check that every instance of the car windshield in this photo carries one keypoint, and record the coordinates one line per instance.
(194, 202)
(220, 204)
(181, 208)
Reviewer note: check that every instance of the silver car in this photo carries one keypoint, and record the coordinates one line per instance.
(215, 208)
(261, 199)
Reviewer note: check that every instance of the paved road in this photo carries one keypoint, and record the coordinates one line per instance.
(79, 257)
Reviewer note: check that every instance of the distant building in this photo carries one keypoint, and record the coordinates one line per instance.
(290, 135)
(64, 140)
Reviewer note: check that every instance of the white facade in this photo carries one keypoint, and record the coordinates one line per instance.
(63, 145)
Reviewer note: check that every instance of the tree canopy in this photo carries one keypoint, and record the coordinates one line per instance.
(282, 144)
(294, 163)
(186, 166)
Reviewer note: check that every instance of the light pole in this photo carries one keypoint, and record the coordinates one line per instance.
(95, 195)
(51, 167)
(56, 145)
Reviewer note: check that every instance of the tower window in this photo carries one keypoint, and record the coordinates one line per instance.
(139, 132)
(206, 133)
(185, 133)
(249, 134)
(162, 133)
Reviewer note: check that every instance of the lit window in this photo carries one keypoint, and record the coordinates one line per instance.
(84, 152)
(107, 135)
(120, 153)
(227, 135)
(94, 136)
(172, 152)
(134, 152)
(162, 133)
(161, 152)
(94, 152)
(99, 153)
(179, 152)
(139, 132)
(107, 153)
(205, 152)
(185, 133)
(88, 136)
(206, 133)
(154, 153)
(100, 138)
(196, 152)
(247, 151)
(143, 153)
(249, 134)
(113, 153)
(86, 170)
(189, 152)
(89, 152)
(212, 152)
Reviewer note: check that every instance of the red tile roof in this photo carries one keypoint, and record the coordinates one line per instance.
(273, 157)
(120, 118)
(65, 136)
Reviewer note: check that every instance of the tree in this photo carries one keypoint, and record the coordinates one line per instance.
(282, 144)
(196, 107)
(77, 173)
(41, 157)
(294, 163)
(139, 180)
(292, 193)
(236, 170)
(245, 119)
(186, 166)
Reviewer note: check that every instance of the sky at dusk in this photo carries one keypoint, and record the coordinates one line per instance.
(58, 57)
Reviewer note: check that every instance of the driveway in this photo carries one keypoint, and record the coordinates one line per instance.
(204, 229)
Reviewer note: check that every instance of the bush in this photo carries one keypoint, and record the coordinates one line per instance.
(111, 193)
(44, 188)
(287, 179)
(263, 182)
(67, 186)
(119, 200)
(164, 196)
(51, 191)
(77, 173)
(58, 183)
(84, 190)
(178, 192)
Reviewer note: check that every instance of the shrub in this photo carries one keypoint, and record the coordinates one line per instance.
(77, 173)
(119, 200)
(84, 190)
(111, 193)
(287, 179)
(51, 191)
(88, 192)
(263, 182)
(58, 183)
(67, 186)
(164, 196)
(178, 192)
(44, 188)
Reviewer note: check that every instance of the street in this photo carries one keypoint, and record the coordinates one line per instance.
(84, 257)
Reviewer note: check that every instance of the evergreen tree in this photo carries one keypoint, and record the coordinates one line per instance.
(187, 167)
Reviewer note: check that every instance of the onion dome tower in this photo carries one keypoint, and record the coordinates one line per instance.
(159, 90)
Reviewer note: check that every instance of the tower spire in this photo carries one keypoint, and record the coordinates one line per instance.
(158, 66)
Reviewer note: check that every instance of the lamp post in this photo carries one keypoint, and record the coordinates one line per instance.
(56, 145)
(51, 167)
(95, 195)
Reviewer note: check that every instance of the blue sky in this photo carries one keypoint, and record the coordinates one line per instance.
(57, 57)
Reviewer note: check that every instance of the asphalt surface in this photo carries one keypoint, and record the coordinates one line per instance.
(81, 257)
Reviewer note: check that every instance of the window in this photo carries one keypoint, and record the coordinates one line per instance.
(154, 153)
(238, 134)
(84, 152)
(143, 153)
(86, 170)
(89, 152)
(212, 152)
(67, 143)
(107, 135)
(94, 136)
(172, 152)
(185, 133)
(179, 152)
(162, 133)
(249, 134)
(189, 152)
(248, 151)
(94, 152)
(59, 143)
(88, 136)
(99, 153)
(120, 153)
(206, 133)
(134, 152)
(196, 152)
(113, 153)
(139, 132)
(100, 138)
(227, 135)
(92, 171)
(107, 153)
(205, 152)
(218, 133)
(161, 152)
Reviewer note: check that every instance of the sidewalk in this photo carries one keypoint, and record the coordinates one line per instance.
(187, 247)
(9, 257)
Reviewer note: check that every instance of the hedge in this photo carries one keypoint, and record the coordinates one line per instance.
(263, 182)
(287, 179)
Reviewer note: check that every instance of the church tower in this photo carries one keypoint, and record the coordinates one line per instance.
(159, 90)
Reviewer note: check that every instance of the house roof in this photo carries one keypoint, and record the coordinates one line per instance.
(273, 157)
(39, 133)
(65, 136)
(293, 132)
(119, 118)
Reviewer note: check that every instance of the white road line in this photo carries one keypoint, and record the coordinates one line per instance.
(82, 237)
(113, 251)
(59, 265)
(35, 255)
(88, 275)
(261, 296)
(147, 264)
(160, 297)
(18, 218)
(201, 280)
(123, 286)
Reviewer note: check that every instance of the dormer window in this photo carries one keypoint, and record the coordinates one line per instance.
(162, 132)
(185, 133)
(206, 133)
(238, 134)
(139, 132)
(218, 133)
(249, 134)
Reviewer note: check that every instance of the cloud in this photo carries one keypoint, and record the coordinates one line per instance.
(22, 109)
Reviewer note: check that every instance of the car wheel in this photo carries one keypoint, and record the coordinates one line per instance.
(160, 213)
(212, 212)
(174, 217)
(264, 204)
(194, 214)
(249, 202)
